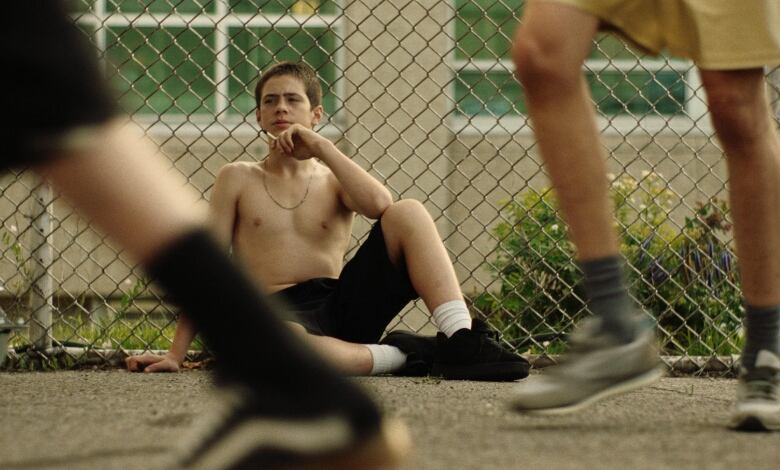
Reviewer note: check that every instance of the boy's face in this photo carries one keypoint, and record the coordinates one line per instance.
(283, 102)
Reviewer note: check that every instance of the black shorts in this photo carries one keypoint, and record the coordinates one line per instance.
(51, 83)
(358, 306)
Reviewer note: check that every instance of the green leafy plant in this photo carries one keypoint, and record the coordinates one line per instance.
(127, 299)
(124, 334)
(537, 295)
(692, 285)
(123, 329)
(685, 277)
(19, 289)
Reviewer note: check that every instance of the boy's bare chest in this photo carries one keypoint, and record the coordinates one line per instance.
(313, 213)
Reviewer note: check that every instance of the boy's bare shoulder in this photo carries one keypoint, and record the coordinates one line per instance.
(237, 171)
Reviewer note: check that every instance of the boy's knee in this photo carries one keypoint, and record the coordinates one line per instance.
(524, 55)
(405, 210)
(736, 121)
(296, 328)
(738, 114)
(539, 60)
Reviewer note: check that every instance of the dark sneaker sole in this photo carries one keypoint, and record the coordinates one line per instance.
(384, 451)
(486, 372)
(753, 424)
(414, 369)
(619, 388)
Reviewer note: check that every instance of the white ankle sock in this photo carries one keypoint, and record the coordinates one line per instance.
(452, 316)
(386, 358)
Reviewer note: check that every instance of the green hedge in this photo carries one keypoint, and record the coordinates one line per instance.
(684, 275)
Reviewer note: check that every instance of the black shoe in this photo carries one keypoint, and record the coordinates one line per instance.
(476, 355)
(245, 431)
(420, 352)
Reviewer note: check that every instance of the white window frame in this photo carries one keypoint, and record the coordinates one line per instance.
(221, 122)
(694, 121)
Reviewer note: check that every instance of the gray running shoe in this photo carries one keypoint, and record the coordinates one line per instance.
(597, 366)
(758, 396)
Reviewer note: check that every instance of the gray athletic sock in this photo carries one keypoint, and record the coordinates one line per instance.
(762, 331)
(608, 297)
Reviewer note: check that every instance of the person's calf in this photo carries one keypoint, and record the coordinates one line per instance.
(413, 244)
(347, 358)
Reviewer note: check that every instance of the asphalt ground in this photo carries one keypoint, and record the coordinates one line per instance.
(118, 420)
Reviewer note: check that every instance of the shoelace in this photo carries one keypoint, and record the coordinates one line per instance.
(488, 335)
(492, 335)
(483, 329)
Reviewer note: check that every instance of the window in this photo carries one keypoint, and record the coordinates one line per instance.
(252, 46)
(199, 59)
(620, 85)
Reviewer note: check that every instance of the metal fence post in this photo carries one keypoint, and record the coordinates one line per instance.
(42, 288)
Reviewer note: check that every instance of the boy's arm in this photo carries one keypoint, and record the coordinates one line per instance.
(224, 203)
(170, 362)
(222, 214)
(359, 191)
(182, 338)
(222, 217)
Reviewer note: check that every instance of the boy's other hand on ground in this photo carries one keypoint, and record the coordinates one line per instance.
(148, 362)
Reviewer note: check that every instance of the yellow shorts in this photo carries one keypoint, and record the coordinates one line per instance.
(715, 34)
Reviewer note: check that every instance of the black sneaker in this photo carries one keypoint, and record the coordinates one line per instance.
(475, 354)
(245, 431)
(420, 352)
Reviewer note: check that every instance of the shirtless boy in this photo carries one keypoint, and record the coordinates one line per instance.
(289, 220)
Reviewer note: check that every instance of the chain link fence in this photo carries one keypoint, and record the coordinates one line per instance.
(420, 93)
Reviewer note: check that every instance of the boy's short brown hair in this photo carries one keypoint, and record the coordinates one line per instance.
(299, 70)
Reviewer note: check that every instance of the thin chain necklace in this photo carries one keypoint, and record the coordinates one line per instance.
(267, 191)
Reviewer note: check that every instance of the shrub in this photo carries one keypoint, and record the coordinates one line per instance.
(685, 277)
